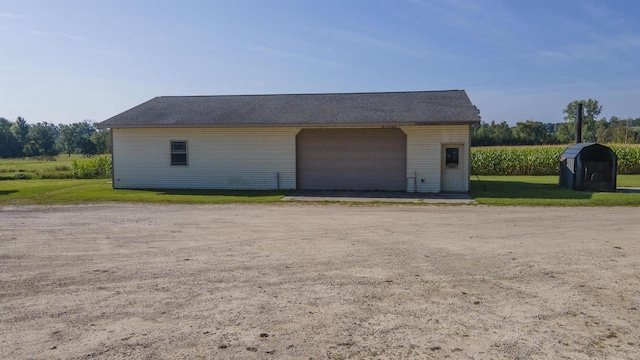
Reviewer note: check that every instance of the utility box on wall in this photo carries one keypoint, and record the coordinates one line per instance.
(588, 166)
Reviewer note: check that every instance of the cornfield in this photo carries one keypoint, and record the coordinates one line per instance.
(540, 160)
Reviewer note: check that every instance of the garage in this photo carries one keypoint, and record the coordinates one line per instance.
(392, 141)
(351, 159)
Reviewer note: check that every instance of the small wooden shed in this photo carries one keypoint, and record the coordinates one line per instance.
(588, 166)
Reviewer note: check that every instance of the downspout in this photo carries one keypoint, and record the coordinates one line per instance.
(468, 186)
(113, 168)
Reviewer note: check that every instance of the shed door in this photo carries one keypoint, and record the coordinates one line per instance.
(452, 168)
(351, 159)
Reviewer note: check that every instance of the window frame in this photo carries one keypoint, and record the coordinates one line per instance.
(452, 160)
(173, 152)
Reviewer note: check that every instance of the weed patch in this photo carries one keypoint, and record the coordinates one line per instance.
(95, 168)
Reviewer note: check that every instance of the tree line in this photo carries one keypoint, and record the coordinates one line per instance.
(594, 129)
(20, 139)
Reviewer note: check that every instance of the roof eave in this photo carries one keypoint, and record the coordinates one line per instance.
(302, 125)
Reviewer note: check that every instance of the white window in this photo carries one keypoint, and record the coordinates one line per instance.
(179, 153)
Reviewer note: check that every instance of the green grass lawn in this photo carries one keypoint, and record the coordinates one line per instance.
(75, 191)
(489, 190)
(545, 191)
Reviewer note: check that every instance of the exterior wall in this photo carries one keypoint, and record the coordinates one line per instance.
(249, 158)
(424, 154)
(235, 158)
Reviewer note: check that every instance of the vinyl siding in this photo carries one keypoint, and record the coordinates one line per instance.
(228, 158)
(424, 147)
(249, 158)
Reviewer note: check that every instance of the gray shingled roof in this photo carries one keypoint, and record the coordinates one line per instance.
(351, 109)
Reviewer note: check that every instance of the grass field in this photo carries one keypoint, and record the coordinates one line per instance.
(488, 190)
(47, 181)
(545, 191)
(55, 167)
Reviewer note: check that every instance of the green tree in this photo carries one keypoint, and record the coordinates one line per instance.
(68, 138)
(478, 111)
(42, 140)
(9, 144)
(502, 133)
(20, 130)
(531, 133)
(85, 130)
(590, 111)
(76, 138)
(622, 130)
(102, 139)
(491, 134)
(565, 133)
(604, 134)
(86, 146)
(481, 134)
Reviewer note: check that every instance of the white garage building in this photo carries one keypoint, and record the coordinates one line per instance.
(395, 141)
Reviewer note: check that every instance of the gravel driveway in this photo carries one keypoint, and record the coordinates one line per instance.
(304, 281)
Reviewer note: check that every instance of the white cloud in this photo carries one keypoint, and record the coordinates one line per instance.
(69, 36)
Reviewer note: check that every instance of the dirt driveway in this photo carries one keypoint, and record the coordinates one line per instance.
(304, 281)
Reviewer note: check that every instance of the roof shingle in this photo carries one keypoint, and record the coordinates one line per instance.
(345, 109)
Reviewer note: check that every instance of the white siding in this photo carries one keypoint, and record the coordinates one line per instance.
(249, 158)
(237, 158)
(424, 146)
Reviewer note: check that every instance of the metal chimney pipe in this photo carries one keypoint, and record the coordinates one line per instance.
(579, 124)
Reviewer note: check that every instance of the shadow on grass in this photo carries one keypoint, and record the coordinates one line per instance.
(523, 190)
(230, 193)
(627, 190)
(7, 192)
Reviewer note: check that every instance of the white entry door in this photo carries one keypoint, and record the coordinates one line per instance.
(452, 163)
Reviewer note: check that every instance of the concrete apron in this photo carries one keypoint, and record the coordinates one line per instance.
(379, 196)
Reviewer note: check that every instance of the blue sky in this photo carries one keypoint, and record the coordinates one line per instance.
(67, 61)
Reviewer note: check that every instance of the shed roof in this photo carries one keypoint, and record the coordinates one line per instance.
(342, 109)
(572, 151)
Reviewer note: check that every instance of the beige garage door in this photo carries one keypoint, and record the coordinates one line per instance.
(351, 159)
